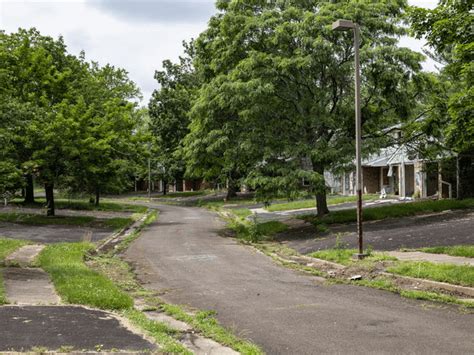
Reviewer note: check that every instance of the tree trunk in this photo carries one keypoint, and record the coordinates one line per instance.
(29, 189)
(231, 189)
(97, 195)
(49, 189)
(164, 187)
(321, 202)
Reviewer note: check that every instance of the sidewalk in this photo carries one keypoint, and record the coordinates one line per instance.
(432, 258)
(36, 319)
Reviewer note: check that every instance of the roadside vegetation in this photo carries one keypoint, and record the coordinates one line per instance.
(391, 211)
(346, 256)
(331, 200)
(75, 282)
(81, 205)
(115, 223)
(466, 251)
(454, 274)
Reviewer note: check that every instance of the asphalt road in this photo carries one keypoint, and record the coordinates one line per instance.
(285, 312)
(442, 229)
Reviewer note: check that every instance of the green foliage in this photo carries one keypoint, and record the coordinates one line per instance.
(454, 274)
(448, 31)
(169, 109)
(75, 282)
(63, 120)
(276, 105)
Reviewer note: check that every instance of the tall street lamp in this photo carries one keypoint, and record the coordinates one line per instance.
(346, 25)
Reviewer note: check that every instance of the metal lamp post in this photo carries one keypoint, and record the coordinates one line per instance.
(346, 25)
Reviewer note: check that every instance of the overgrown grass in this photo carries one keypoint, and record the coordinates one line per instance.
(454, 274)
(332, 200)
(466, 251)
(388, 285)
(345, 256)
(83, 221)
(391, 211)
(253, 231)
(8, 246)
(75, 282)
(241, 212)
(209, 327)
(84, 205)
(162, 334)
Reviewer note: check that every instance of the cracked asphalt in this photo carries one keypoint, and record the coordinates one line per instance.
(182, 256)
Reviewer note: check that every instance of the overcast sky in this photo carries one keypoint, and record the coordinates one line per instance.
(133, 34)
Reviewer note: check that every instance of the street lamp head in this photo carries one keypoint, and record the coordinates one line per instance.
(343, 25)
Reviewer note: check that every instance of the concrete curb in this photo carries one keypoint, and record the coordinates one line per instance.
(116, 238)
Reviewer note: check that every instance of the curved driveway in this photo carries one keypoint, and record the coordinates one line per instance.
(182, 256)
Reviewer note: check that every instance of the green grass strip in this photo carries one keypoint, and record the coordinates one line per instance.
(391, 211)
(161, 333)
(332, 200)
(466, 251)
(84, 205)
(454, 274)
(209, 326)
(75, 282)
(345, 256)
(116, 223)
(8, 246)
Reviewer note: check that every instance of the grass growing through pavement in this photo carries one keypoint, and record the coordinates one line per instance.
(83, 221)
(7, 246)
(454, 274)
(392, 211)
(209, 326)
(466, 251)
(75, 282)
(159, 331)
(84, 205)
(344, 256)
(332, 200)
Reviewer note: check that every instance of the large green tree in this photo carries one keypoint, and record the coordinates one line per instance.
(277, 102)
(448, 30)
(169, 114)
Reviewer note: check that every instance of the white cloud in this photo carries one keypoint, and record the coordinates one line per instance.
(135, 35)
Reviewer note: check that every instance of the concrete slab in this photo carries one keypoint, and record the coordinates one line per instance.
(169, 321)
(203, 346)
(24, 256)
(432, 258)
(29, 286)
(53, 327)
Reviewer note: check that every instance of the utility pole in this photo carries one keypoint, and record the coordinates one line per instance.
(345, 25)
